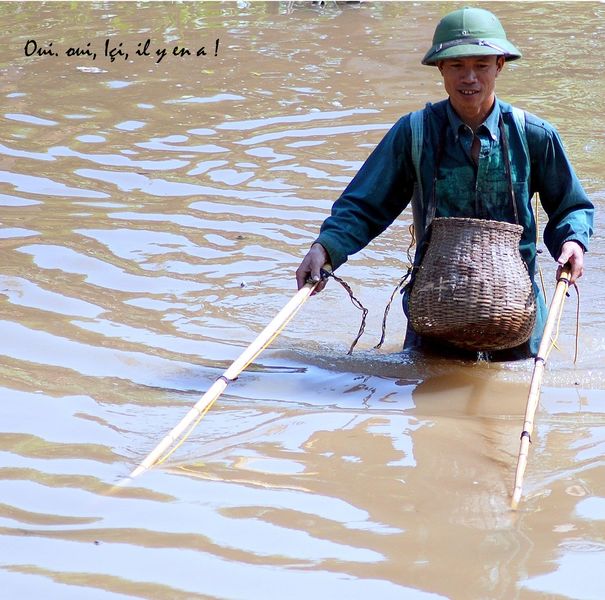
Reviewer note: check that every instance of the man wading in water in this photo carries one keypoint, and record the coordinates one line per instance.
(476, 154)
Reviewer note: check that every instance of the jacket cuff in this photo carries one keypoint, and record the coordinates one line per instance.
(336, 256)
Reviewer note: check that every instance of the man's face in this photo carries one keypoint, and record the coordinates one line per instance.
(470, 83)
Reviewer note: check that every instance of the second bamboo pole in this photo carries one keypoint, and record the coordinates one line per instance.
(554, 312)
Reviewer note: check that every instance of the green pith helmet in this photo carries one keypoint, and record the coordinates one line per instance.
(469, 32)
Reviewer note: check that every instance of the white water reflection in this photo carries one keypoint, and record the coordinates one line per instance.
(30, 119)
(31, 184)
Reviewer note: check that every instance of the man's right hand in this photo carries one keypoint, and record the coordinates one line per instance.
(310, 267)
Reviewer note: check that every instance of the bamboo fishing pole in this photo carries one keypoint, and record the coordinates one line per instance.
(554, 313)
(271, 331)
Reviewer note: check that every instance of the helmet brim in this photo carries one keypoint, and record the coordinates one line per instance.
(486, 47)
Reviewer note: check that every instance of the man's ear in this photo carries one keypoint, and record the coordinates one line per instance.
(500, 63)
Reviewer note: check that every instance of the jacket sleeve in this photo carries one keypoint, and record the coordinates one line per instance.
(570, 211)
(374, 198)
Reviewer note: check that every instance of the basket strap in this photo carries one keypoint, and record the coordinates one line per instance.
(507, 168)
(417, 126)
(423, 218)
(519, 117)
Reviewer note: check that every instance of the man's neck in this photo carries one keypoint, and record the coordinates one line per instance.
(476, 118)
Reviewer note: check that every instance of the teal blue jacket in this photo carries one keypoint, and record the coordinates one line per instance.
(384, 186)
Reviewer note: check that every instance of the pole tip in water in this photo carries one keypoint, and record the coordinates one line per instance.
(124, 482)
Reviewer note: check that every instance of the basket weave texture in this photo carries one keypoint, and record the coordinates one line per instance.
(473, 289)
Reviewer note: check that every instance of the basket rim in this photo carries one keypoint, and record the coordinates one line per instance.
(479, 223)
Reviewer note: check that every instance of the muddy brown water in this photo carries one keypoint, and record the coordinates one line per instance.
(153, 215)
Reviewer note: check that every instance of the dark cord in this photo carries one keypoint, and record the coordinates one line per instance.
(325, 274)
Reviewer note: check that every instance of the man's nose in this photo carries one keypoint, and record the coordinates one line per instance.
(469, 75)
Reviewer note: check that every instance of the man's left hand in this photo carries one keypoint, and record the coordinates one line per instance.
(572, 253)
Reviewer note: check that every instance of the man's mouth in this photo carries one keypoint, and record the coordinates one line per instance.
(468, 92)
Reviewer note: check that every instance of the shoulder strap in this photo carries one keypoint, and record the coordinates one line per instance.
(417, 126)
(519, 118)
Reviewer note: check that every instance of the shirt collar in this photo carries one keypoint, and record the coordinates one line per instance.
(490, 124)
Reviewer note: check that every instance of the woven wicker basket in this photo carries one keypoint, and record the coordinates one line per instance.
(473, 289)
